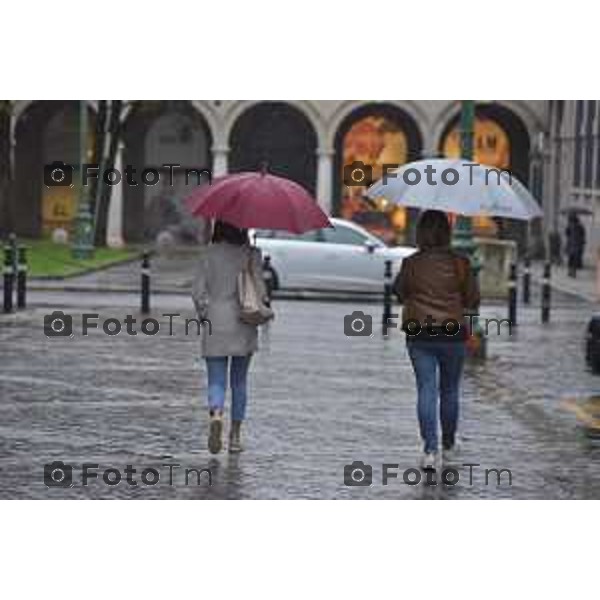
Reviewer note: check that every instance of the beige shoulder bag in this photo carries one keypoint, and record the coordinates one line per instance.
(253, 309)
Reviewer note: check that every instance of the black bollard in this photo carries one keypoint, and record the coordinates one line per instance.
(387, 298)
(592, 349)
(268, 277)
(546, 297)
(146, 283)
(9, 277)
(22, 277)
(526, 280)
(512, 295)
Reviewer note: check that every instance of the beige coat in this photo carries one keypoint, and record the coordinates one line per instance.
(215, 297)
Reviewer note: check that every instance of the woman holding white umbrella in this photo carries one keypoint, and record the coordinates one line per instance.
(436, 285)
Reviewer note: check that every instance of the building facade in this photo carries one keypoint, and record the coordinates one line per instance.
(571, 153)
(308, 141)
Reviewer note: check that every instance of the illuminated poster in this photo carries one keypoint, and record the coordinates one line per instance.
(374, 141)
(60, 142)
(59, 205)
(492, 148)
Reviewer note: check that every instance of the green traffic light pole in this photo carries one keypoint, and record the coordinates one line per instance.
(462, 236)
(83, 246)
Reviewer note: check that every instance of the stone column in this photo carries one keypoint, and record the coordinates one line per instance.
(325, 178)
(220, 155)
(114, 228)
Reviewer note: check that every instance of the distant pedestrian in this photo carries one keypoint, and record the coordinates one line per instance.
(437, 288)
(575, 246)
(229, 348)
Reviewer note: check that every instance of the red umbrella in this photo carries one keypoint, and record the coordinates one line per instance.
(258, 200)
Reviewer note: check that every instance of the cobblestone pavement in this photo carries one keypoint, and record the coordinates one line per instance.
(319, 401)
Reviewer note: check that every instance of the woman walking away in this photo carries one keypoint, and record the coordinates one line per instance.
(437, 288)
(229, 347)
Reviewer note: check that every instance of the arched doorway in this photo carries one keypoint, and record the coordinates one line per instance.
(157, 134)
(375, 135)
(278, 134)
(501, 140)
(47, 132)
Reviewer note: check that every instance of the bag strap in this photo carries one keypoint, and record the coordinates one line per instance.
(247, 262)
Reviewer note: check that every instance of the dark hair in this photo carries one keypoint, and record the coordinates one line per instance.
(433, 230)
(224, 232)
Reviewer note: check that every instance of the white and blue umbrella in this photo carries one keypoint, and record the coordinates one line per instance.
(457, 186)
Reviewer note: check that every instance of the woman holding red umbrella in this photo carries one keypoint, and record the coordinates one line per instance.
(229, 290)
(229, 348)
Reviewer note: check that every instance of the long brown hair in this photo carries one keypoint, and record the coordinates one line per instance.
(224, 232)
(433, 230)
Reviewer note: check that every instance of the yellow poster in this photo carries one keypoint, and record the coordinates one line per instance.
(491, 146)
(59, 205)
(374, 141)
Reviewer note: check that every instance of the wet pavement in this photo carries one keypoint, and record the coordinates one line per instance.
(319, 401)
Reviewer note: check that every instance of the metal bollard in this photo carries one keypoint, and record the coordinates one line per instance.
(146, 283)
(592, 346)
(268, 276)
(526, 280)
(546, 295)
(22, 277)
(9, 277)
(512, 295)
(387, 298)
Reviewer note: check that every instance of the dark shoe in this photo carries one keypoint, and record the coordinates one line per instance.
(235, 437)
(215, 434)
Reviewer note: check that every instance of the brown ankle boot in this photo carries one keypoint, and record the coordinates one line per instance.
(215, 442)
(235, 442)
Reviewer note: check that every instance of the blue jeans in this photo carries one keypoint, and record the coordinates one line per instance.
(217, 367)
(429, 357)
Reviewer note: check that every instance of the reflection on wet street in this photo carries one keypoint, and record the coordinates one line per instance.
(319, 401)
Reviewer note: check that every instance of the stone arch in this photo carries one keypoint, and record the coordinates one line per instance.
(306, 107)
(411, 109)
(45, 132)
(155, 134)
(374, 134)
(512, 150)
(280, 134)
(517, 131)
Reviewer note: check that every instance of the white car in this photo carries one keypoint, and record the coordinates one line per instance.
(344, 258)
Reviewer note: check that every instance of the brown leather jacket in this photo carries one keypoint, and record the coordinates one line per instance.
(436, 283)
